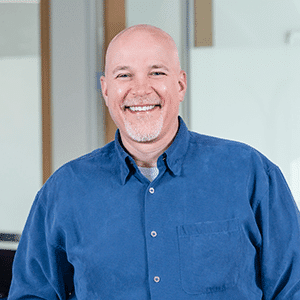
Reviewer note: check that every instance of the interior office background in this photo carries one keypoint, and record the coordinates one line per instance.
(245, 87)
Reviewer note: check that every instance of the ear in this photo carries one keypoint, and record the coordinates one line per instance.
(182, 81)
(104, 89)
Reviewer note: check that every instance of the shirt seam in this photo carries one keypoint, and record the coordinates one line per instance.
(268, 170)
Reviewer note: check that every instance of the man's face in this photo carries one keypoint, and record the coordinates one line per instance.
(143, 87)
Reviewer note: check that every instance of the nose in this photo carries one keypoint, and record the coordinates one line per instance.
(141, 86)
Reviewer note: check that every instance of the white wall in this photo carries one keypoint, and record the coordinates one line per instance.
(256, 23)
(246, 87)
(77, 116)
(20, 115)
(20, 139)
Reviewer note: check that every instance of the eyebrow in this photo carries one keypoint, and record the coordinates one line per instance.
(120, 68)
(156, 66)
(159, 67)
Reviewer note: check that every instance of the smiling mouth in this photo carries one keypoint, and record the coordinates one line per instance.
(141, 108)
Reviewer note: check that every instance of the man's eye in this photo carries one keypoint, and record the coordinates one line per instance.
(123, 75)
(157, 73)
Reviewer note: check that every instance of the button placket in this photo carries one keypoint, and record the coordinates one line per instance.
(153, 242)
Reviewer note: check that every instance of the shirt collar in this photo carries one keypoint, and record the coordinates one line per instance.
(173, 157)
(175, 154)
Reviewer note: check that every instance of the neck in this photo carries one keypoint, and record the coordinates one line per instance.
(146, 154)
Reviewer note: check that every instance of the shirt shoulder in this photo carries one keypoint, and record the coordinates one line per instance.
(97, 164)
(72, 179)
(232, 159)
(100, 158)
(231, 150)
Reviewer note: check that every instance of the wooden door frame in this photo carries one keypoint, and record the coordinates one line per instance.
(114, 22)
(203, 26)
(45, 46)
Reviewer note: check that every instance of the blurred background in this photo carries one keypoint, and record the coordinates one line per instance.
(242, 59)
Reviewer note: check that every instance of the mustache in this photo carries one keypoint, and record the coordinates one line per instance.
(140, 101)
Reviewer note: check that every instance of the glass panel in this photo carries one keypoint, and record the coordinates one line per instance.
(20, 112)
(247, 87)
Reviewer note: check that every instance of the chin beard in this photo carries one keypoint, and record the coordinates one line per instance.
(144, 130)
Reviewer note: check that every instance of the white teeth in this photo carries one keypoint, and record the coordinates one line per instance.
(141, 108)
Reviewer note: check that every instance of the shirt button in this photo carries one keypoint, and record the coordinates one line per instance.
(151, 190)
(153, 233)
(156, 279)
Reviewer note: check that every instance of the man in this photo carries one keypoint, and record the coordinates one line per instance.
(161, 212)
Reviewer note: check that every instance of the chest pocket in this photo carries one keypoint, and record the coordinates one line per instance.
(210, 255)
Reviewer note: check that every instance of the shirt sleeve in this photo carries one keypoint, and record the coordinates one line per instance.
(40, 269)
(278, 219)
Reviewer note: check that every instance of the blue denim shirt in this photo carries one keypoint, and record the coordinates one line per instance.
(218, 222)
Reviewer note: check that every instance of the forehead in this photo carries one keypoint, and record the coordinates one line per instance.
(142, 47)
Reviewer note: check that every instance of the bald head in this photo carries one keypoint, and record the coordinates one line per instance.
(135, 34)
(143, 86)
